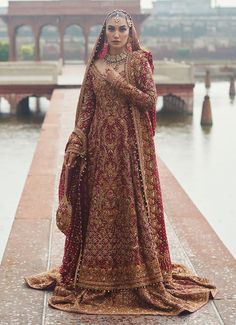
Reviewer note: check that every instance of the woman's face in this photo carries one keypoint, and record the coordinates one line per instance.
(117, 32)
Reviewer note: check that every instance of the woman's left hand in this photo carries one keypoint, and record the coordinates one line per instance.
(111, 74)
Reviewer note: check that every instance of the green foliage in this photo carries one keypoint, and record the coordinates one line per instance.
(183, 52)
(4, 50)
(26, 52)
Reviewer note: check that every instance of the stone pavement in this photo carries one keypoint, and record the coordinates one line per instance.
(35, 243)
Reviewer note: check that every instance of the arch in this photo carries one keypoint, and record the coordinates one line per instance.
(38, 104)
(94, 32)
(44, 103)
(160, 104)
(24, 43)
(22, 107)
(74, 43)
(5, 106)
(49, 42)
(32, 105)
(173, 103)
(3, 29)
(4, 41)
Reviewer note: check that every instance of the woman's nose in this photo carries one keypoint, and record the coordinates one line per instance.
(116, 35)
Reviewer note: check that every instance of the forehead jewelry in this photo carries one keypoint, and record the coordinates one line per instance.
(117, 19)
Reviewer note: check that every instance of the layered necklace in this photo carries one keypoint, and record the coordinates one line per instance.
(115, 60)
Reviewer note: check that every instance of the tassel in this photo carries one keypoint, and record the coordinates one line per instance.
(103, 51)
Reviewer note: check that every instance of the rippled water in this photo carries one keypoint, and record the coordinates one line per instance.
(18, 140)
(203, 161)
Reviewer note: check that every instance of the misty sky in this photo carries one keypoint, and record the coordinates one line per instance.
(148, 3)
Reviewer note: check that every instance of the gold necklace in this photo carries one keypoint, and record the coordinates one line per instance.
(115, 60)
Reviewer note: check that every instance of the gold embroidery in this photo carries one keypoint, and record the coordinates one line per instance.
(123, 266)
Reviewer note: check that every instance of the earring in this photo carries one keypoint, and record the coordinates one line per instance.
(103, 51)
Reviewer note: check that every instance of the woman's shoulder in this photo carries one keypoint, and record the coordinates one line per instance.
(141, 57)
(141, 54)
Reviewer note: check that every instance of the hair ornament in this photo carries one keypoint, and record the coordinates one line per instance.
(117, 18)
(129, 22)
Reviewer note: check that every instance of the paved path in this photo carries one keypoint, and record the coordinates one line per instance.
(35, 243)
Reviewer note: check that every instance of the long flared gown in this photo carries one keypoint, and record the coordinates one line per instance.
(123, 265)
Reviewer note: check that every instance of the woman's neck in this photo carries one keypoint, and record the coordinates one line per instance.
(116, 51)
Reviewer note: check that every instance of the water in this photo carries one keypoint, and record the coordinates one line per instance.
(203, 161)
(18, 140)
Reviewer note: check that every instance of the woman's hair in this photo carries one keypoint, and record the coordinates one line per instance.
(99, 45)
(120, 13)
(132, 32)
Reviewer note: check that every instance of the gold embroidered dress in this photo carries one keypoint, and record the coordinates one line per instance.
(116, 258)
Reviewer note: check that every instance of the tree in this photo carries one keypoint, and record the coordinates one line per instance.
(4, 50)
(183, 53)
(26, 52)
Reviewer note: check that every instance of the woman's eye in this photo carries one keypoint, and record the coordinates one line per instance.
(111, 29)
(123, 29)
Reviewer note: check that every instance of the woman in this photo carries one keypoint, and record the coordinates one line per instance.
(116, 258)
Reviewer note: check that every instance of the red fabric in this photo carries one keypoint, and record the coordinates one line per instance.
(152, 111)
(77, 185)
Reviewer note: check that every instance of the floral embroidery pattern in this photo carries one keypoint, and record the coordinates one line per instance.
(116, 257)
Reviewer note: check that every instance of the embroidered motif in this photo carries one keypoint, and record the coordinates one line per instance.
(116, 258)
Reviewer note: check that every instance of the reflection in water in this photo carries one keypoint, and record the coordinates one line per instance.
(18, 138)
(174, 119)
(232, 100)
(203, 159)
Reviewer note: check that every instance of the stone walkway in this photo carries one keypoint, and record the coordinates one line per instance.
(35, 244)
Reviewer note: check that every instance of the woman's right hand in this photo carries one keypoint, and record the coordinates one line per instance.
(70, 159)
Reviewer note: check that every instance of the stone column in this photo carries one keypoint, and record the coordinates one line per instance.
(86, 31)
(206, 118)
(12, 100)
(37, 46)
(232, 91)
(12, 42)
(62, 51)
(37, 99)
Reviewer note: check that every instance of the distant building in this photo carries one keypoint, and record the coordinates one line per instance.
(190, 29)
(189, 7)
(181, 6)
(61, 15)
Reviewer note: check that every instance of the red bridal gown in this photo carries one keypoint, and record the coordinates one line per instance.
(119, 261)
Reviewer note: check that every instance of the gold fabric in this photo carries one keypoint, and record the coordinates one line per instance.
(185, 293)
(123, 265)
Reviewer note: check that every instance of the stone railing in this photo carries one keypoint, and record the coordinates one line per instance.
(24, 72)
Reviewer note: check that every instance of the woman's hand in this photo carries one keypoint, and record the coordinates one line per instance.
(111, 74)
(70, 159)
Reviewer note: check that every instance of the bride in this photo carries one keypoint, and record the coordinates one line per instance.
(116, 257)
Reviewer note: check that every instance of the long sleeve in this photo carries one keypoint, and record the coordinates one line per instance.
(77, 140)
(144, 93)
(88, 106)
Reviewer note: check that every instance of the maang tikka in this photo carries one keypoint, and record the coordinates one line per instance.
(117, 19)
